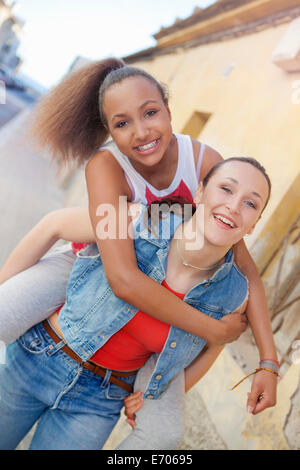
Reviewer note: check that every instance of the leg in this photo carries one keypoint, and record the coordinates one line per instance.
(76, 408)
(61, 430)
(19, 410)
(83, 415)
(159, 423)
(32, 295)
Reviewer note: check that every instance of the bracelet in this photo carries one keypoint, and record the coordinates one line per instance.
(255, 372)
(272, 360)
(269, 365)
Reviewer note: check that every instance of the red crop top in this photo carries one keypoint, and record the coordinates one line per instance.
(131, 346)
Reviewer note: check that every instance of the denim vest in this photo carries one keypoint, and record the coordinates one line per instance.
(92, 313)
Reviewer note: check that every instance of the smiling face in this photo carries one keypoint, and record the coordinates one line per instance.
(138, 120)
(233, 199)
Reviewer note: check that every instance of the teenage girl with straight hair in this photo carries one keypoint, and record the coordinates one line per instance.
(144, 161)
(52, 371)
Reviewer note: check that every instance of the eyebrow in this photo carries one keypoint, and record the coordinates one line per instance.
(142, 106)
(236, 182)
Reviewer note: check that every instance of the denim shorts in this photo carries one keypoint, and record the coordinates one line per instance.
(74, 408)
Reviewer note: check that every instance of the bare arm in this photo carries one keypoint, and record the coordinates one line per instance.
(257, 309)
(72, 224)
(201, 364)
(263, 389)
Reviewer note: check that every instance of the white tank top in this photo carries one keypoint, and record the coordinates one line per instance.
(185, 181)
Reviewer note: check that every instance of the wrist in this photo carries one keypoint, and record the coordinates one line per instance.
(269, 371)
(267, 350)
(260, 369)
(220, 333)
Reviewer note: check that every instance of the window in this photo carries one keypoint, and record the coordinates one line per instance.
(195, 124)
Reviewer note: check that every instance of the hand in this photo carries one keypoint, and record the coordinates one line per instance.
(263, 392)
(233, 326)
(133, 403)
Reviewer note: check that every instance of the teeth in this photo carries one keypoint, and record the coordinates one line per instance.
(226, 221)
(147, 146)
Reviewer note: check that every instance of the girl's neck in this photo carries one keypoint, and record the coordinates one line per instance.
(189, 261)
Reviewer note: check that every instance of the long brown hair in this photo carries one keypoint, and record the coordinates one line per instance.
(70, 121)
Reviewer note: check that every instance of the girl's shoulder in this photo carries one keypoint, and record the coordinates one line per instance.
(104, 170)
(104, 161)
(210, 157)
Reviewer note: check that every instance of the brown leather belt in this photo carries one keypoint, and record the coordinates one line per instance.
(91, 366)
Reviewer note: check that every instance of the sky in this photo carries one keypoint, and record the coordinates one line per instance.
(57, 31)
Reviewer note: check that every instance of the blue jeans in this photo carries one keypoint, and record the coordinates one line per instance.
(75, 408)
(31, 296)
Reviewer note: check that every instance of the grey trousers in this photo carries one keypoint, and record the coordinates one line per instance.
(33, 295)
(160, 423)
